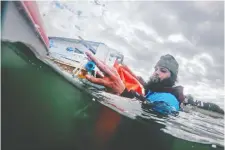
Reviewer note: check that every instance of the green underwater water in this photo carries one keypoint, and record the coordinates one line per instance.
(42, 110)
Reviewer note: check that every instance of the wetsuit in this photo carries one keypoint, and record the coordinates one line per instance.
(164, 101)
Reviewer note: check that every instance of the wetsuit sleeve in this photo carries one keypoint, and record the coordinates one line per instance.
(132, 94)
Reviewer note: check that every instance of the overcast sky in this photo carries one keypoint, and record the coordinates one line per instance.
(193, 32)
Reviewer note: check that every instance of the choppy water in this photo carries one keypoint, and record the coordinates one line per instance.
(42, 110)
(192, 126)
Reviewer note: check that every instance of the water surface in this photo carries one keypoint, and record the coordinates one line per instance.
(42, 110)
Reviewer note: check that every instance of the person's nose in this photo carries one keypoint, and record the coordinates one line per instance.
(157, 72)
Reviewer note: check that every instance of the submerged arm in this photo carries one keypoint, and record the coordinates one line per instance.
(132, 94)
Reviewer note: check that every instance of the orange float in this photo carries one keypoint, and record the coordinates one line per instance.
(129, 79)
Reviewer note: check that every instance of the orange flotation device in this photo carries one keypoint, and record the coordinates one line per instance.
(129, 79)
(108, 119)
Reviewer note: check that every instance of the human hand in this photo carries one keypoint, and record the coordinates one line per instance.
(111, 79)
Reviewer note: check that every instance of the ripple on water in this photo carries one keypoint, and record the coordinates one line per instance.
(192, 126)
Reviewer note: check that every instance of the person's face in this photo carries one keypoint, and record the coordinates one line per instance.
(160, 73)
(160, 78)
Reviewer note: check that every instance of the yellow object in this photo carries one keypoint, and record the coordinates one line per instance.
(82, 74)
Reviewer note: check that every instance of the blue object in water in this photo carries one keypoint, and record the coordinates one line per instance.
(166, 103)
(90, 66)
(69, 49)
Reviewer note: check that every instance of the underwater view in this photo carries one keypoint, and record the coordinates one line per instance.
(47, 102)
(42, 110)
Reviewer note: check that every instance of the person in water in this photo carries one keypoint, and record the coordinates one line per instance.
(159, 89)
